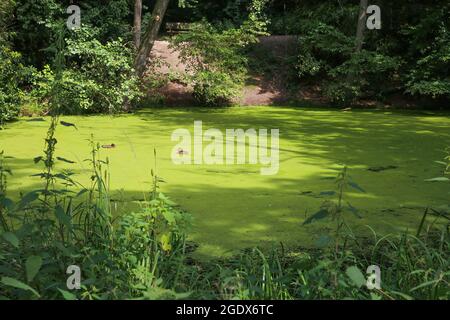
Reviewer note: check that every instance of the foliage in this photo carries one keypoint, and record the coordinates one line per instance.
(38, 23)
(215, 63)
(13, 77)
(215, 60)
(430, 76)
(6, 11)
(216, 56)
(98, 78)
(58, 226)
(408, 55)
(13, 74)
(365, 74)
(411, 268)
(327, 53)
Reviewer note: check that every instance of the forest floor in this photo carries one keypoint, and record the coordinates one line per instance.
(389, 154)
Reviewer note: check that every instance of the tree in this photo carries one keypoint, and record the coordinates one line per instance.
(150, 36)
(6, 13)
(137, 23)
(361, 24)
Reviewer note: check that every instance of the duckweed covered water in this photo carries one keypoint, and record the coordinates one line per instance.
(234, 206)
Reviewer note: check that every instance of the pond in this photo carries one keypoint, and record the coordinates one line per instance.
(388, 154)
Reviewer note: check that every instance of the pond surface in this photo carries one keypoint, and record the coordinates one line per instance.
(235, 206)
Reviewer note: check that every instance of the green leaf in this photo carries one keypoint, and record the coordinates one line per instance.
(438, 179)
(83, 191)
(62, 217)
(356, 186)
(354, 210)
(11, 282)
(165, 242)
(425, 284)
(11, 238)
(37, 159)
(321, 214)
(65, 160)
(356, 276)
(375, 296)
(27, 199)
(323, 241)
(32, 266)
(67, 295)
(6, 203)
(169, 216)
(403, 295)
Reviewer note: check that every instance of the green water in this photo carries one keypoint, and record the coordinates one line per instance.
(236, 207)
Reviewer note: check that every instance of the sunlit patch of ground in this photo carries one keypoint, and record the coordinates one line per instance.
(236, 207)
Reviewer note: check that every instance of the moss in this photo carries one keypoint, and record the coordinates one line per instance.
(234, 206)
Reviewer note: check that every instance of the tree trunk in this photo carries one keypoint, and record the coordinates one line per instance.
(150, 35)
(361, 24)
(137, 23)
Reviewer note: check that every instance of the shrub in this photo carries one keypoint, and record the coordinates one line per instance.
(13, 75)
(365, 73)
(215, 88)
(98, 77)
(430, 76)
(215, 61)
(216, 56)
(327, 55)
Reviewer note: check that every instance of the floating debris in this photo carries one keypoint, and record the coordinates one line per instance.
(68, 124)
(182, 152)
(109, 146)
(379, 169)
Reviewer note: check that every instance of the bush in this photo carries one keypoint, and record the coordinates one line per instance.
(327, 55)
(410, 54)
(12, 72)
(365, 74)
(216, 57)
(215, 88)
(13, 75)
(430, 76)
(98, 77)
(322, 47)
(215, 61)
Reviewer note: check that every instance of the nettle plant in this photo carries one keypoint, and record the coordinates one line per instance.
(444, 210)
(337, 209)
(446, 168)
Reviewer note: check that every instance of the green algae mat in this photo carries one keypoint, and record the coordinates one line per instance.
(388, 154)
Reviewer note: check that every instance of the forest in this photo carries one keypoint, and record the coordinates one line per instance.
(224, 150)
